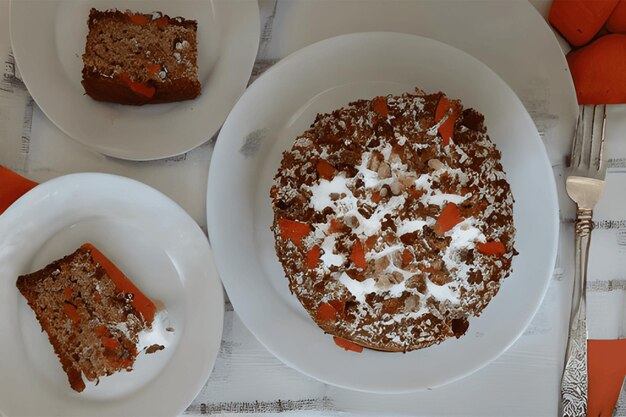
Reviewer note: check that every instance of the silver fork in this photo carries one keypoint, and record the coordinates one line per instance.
(584, 184)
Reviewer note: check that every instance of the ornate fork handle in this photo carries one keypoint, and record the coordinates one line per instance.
(574, 385)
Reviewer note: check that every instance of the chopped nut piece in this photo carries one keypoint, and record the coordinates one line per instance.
(374, 161)
(412, 304)
(384, 170)
(352, 221)
(396, 277)
(394, 158)
(417, 281)
(396, 188)
(381, 265)
(435, 164)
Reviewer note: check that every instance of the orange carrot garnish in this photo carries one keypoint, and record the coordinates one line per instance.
(357, 255)
(336, 225)
(293, 230)
(326, 312)
(450, 216)
(325, 170)
(347, 345)
(491, 248)
(162, 22)
(446, 130)
(140, 88)
(138, 19)
(313, 257)
(339, 306)
(71, 312)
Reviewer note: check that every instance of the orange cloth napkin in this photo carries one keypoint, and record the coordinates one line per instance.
(607, 368)
(12, 187)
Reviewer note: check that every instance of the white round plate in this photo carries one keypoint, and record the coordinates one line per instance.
(281, 104)
(48, 40)
(158, 246)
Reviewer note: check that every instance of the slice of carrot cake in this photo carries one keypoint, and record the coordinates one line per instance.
(91, 311)
(135, 58)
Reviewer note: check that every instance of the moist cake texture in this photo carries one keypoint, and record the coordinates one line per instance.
(393, 220)
(91, 313)
(134, 58)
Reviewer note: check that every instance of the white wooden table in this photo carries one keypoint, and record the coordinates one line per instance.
(247, 379)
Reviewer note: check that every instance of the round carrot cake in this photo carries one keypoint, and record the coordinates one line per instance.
(393, 221)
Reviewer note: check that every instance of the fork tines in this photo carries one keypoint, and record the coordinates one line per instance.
(587, 150)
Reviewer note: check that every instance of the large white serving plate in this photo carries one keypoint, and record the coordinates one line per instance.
(283, 103)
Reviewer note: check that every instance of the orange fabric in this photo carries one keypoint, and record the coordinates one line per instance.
(12, 187)
(617, 20)
(607, 368)
(598, 70)
(580, 20)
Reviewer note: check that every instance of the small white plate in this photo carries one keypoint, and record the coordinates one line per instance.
(158, 246)
(328, 75)
(48, 40)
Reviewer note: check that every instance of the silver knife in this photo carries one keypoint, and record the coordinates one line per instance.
(620, 407)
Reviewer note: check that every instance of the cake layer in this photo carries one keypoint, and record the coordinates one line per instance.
(91, 313)
(133, 58)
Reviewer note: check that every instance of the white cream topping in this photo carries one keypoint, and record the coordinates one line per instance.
(412, 315)
(321, 194)
(158, 334)
(410, 226)
(464, 235)
(436, 197)
(356, 288)
(371, 226)
(439, 199)
(423, 181)
(370, 178)
(329, 257)
(123, 327)
(388, 250)
(348, 204)
(397, 289)
(443, 292)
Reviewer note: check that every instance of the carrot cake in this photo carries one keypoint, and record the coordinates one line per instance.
(93, 315)
(136, 58)
(393, 221)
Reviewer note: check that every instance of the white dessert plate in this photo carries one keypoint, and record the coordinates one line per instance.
(48, 40)
(161, 249)
(280, 105)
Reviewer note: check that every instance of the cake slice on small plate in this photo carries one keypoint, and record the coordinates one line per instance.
(93, 314)
(135, 58)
